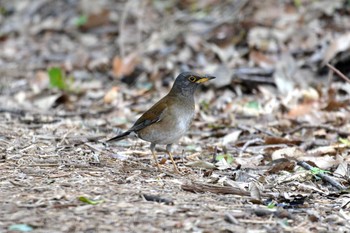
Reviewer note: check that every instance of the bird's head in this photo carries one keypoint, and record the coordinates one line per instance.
(186, 83)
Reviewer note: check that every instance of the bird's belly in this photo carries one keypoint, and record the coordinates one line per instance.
(166, 131)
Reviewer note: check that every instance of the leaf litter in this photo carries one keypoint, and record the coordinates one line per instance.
(268, 149)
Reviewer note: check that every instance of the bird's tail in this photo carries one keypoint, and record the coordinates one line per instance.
(119, 137)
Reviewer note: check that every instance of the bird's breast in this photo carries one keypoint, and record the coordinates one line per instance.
(183, 120)
(171, 128)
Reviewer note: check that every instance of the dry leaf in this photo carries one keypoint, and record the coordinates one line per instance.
(324, 162)
(111, 95)
(96, 20)
(335, 105)
(343, 170)
(339, 44)
(254, 191)
(125, 66)
(300, 110)
(231, 137)
(46, 102)
(288, 152)
(282, 165)
(40, 82)
(261, 59)
(250, 162)
(222, 164)
(279, 140)
(323, 150)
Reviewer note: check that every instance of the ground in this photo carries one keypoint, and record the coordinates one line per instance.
(268, 150)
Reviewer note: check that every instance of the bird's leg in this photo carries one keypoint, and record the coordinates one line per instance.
(168, 151)
(153, 146)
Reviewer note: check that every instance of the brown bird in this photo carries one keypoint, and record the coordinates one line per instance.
(169, 119)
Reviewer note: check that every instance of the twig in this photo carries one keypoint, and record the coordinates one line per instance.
(54, 176)
(63, 138)
(139, 24)
(267, 132)
(72, 139)
(324, 177)
(338, 72)
(201, 188)
(231, 219)
(121, 28)
(20, 112)
(43, 165)
(214, 155)
(264, 222)
(256, 79)
(248, 143)
(280, 213)
(253, 129)
(94, 148)
(326, 127)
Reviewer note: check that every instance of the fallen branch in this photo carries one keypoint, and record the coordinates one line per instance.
(324, 177)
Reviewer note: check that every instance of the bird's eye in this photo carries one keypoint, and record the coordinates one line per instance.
(192, 78)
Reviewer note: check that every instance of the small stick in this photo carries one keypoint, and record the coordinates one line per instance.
(248, 143)
(324, 177)
(214, 155)
(231, 219)
(338, 72)
(20, 112)
(201, 188)
(326, 127)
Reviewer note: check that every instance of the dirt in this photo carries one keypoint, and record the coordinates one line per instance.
(268, 150)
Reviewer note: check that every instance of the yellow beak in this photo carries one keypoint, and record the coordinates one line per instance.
(204, 79)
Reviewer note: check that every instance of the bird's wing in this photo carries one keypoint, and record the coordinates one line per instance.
(153, 115)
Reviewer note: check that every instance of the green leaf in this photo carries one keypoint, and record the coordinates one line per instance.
(81, 20)
(57, 79)
(229, 159)
(205, 105)
(253, 105)
(89, 201)
(20, 227)
(2, 10)
(297, 3)
(344, 141)
(191, 147)
(271, 205)
(317, 171)
(144, 85)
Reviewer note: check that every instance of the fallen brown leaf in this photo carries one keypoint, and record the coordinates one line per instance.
(125, 66)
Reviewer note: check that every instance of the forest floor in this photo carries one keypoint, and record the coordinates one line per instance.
(268, 150)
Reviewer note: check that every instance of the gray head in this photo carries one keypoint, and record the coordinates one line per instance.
(186, 83)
